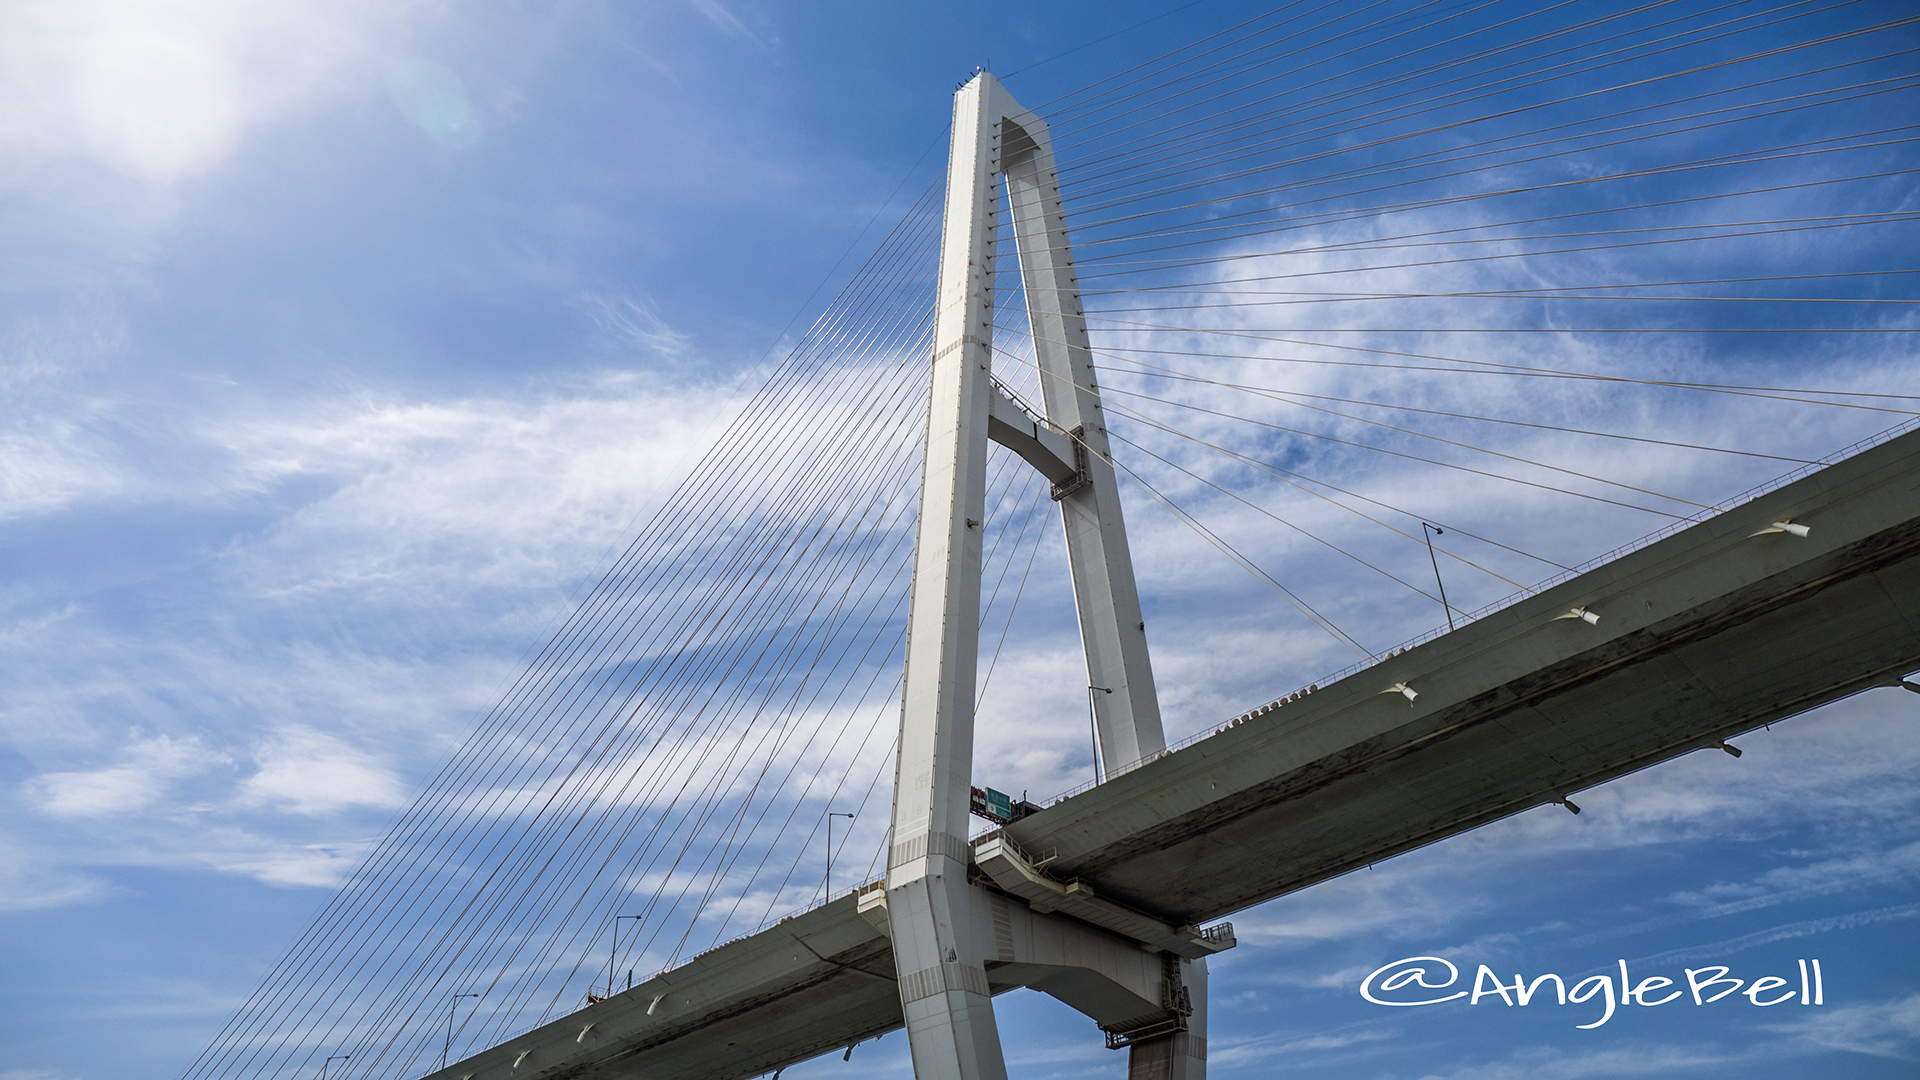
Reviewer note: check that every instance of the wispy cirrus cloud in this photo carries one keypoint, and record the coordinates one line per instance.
(147, 768)
(1884, 1029)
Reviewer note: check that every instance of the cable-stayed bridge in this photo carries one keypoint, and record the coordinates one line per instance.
(1714, 631)
(656, 783)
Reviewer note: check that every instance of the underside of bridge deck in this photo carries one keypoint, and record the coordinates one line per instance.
(1718, 629)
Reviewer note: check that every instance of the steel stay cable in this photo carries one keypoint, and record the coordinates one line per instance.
(210, 1048)
(1307, 484)
(1102, 399)
(1455, 154)
(1451, 125)
(1344, 247)
(1504, 143)
(987, 680)
(1337, 217)
(1302, 137)
(1287, 394)
(800, 799)
(1103, 241)
(1486, 53)
(1080, 124)
(228, 1029)
(1536, 293)
(1504, 47)
(1107, 223)
(1246, 460)
(1111, 99)
(989, 559)
(909, 464)
(1275, 517)
(1699, 164)
(1460, 468)
(1897, 216)
(1236, 558)
(1490, 367)
(1169, 374)
(623, 797)
(1182, 133)
(876, 675)
(1297, 136)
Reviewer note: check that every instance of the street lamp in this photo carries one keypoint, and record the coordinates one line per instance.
(613, 954)
(1428, 536)
(831, 814)
(343, 1057)
(453, 1003)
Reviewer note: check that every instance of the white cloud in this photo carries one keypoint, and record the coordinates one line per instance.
(323, 866)
(165, 90)
(1888, 1029)
(27, 883)
(489, 492)
(1542, 1063)
(1242, 1052)
(305, 771)
(147, 769)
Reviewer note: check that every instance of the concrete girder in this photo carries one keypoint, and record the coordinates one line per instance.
(1703, 635)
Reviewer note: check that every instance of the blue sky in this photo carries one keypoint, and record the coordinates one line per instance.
(343, 345)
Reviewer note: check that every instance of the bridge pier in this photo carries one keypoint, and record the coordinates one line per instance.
(1141, 981)
(1181, 1054)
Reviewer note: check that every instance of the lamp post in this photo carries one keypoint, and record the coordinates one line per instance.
(613, 954)
(453, 1004)
(1428, 537)
(345, 1057)
(831, 814)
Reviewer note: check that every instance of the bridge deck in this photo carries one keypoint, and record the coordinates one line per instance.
(1703, 635)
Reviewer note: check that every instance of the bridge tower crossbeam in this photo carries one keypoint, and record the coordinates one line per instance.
(946, 930)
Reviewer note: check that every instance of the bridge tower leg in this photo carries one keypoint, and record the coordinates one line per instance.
(1112, 632)
(940, 953)
(940, 962)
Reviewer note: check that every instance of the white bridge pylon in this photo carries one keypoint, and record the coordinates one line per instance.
(954, 942)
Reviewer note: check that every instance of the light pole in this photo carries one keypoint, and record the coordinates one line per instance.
(346, 1057)
(1428, 536)
(831, 814)
(453, 1004)
(613, 954)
